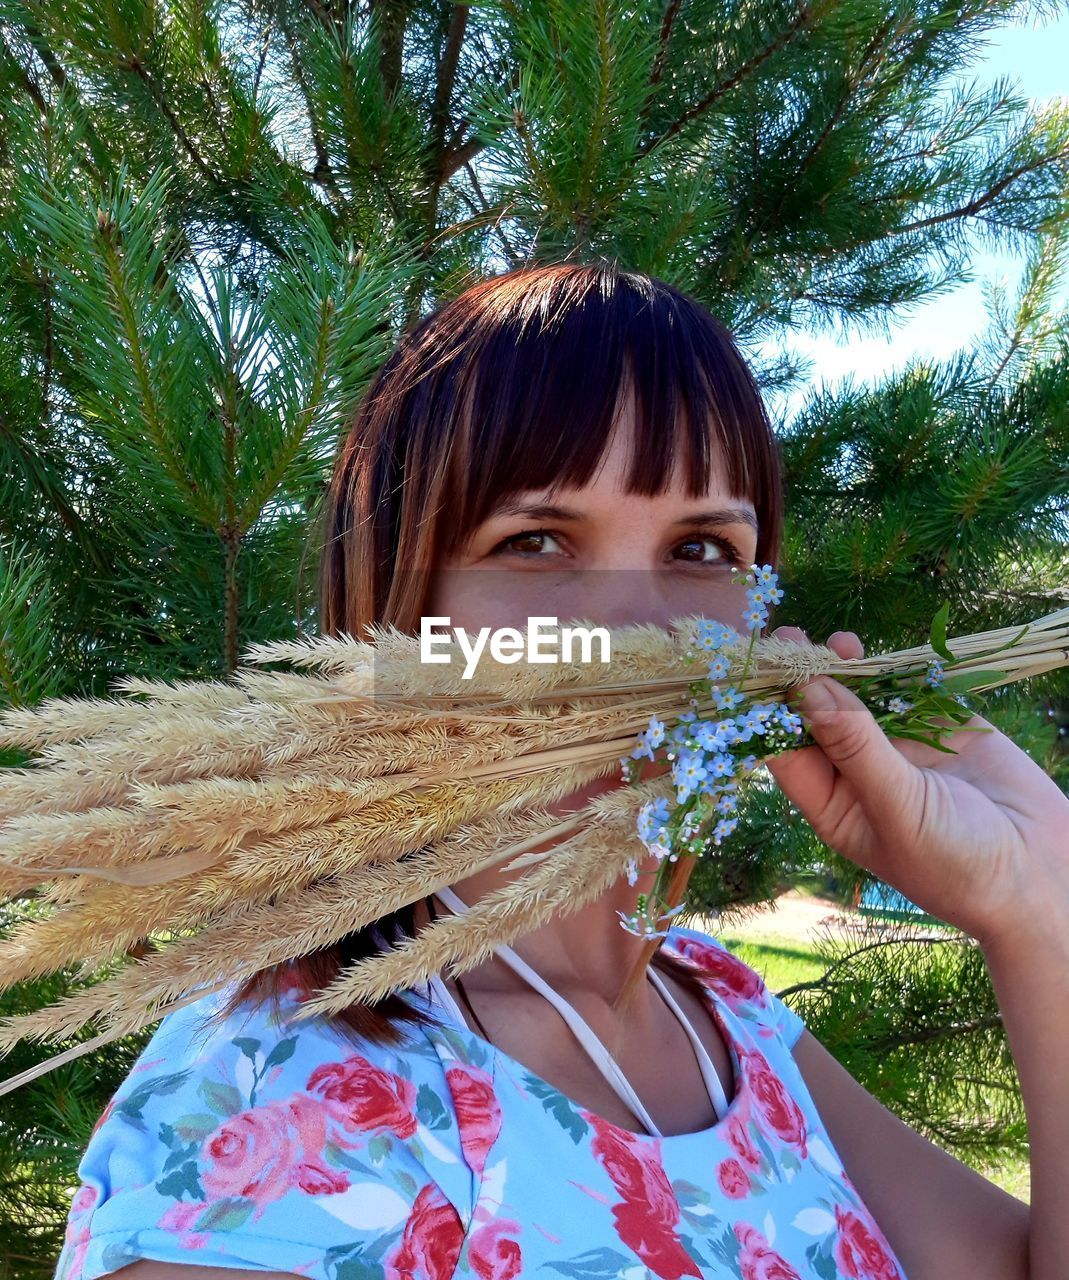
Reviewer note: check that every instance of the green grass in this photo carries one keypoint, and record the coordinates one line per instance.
(783, 961)
(1012, 1174)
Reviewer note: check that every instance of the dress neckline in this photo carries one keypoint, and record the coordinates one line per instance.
(711, 1003)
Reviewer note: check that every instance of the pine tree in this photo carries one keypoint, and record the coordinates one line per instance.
(216, 219)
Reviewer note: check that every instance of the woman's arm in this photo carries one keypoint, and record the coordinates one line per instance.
(977, 836)
(944, 1220)
(1029, 968)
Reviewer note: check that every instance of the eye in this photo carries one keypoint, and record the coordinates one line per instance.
(530, 543)
(709, 549)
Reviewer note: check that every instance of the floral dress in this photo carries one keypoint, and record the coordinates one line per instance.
(260, 1143)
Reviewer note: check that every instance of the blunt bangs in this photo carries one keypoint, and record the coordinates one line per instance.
(516, 384)
(548, 368)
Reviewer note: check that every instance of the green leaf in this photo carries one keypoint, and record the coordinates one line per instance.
(689, 1192)
(595, 1264)
(430, 1110)
(226, 1215)
(248, 1046)
(130, 1107)
(938, 635)
(195, 1127)
(183, 1181)
(282, 1052)
(358, 1269)
(964, 681)
(378, 1148)
(818, 1260)
(222, 1098)
(1009, 643)
(925, 738)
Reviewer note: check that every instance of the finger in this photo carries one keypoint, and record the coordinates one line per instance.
(790, 633)
(883, 780)
(847, 644)
(805, 775)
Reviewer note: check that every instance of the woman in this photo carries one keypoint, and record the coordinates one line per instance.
(578, 441)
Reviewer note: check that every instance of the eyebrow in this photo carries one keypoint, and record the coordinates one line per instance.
(542, 511)
(537, 511)
(722, 515)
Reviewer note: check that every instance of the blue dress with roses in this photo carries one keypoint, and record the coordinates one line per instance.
(263, 1144)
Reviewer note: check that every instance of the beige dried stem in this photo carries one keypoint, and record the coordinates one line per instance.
(289, 808)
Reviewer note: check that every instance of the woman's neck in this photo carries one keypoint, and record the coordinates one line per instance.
(585, 953)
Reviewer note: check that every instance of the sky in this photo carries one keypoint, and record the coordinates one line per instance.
(1036, 58)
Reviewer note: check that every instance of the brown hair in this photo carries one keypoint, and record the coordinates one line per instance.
(514, 385)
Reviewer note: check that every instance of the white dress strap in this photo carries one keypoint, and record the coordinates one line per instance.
(717, 1096)
(585, 1034)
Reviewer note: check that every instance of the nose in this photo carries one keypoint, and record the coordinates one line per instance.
(631, 597)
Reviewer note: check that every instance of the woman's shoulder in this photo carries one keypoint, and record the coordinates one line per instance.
(257, 1139)
(739, 986)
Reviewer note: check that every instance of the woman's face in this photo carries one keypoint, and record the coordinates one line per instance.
(601, 554)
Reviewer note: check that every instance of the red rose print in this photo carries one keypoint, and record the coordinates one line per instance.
(77, 1240)
(634, 1167)
(430, 1246)
(84, 1200)
(491, 1257)
(758, 1260)
(647, 1217)
(859, 1251)
(251, 1154)
(182, 1215)
(361, 1096)
(180, 1219)
(738, 1135)
(736, 982)
(478, 1112)
(655, 1242)
(264, 1152)
(733, 1178)
(775, 1104)
(318, 1179)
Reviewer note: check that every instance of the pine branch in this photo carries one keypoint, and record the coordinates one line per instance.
(158, 96)
(825, 981)
(50, 490)
(389, 18)
(323, 171)
(445, 79)
(97, 163)
(924, 1035)
(1041, 279)
(664, 37)
(24, 77)
(981, 202)
(798, 24)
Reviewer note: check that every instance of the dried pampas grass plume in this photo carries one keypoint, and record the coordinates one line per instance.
(250, 822)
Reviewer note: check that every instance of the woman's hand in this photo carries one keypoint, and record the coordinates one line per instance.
(979, 839)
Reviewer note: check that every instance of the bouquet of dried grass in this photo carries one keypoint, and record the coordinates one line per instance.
(253, 820)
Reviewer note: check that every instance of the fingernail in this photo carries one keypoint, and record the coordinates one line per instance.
(818, 703)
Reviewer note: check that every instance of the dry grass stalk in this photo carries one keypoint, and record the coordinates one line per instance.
(286, 809)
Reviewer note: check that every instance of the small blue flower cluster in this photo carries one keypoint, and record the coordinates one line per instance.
(763, 592)
(934, 678)
(705, 768)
